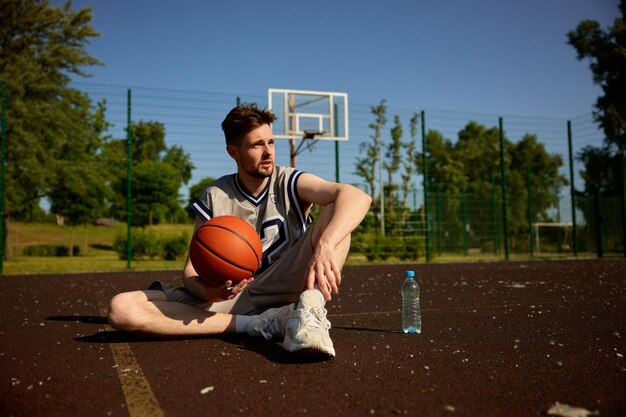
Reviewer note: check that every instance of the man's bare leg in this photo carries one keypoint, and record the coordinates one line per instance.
(148, 312)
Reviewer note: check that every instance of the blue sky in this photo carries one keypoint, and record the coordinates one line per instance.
(485, 56)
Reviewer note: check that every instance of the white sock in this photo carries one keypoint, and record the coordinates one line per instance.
(312, 298)
(241, 323)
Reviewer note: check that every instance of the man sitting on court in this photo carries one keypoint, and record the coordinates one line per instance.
(301, 262)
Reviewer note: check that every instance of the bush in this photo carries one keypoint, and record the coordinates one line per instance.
(146, 244)
(175, 247)
(50, 250)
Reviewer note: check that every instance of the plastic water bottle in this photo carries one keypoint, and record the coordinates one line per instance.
(411, 315)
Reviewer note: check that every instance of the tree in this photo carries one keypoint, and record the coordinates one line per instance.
(158, 173)
(366, 167)
(392, 165)
(604, 166)
(607, 55)
(79, 197)
(409, 162)
(195, 191)
(41, 48)
(472, 160)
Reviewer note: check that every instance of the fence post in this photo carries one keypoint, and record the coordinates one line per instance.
(426, 225)
(505, 220)
(623, 158)
(494, 213)
(129, 195)
(599, 223)
(3, 132)
(464, 218)
(530, 212)
(572, 188)
(439, 230)
(336, 144)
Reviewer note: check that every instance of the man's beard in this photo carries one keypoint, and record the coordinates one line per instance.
(259, 174)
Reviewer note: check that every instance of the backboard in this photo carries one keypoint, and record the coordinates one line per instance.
(303, 114)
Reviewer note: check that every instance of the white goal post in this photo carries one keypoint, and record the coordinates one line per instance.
(537, 226)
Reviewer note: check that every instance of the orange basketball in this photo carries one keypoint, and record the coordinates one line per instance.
(225, 248)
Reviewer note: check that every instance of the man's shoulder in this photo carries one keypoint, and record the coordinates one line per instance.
(220, 185)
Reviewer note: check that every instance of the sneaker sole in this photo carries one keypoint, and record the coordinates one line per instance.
(314, 350)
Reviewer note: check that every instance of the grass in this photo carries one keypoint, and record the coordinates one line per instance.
(97, 255)
(96, 249)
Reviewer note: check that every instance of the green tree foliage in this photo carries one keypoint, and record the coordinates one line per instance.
(409, 163)
(41, 48)
(80, 197)
(471, 162)
(606, 51)
(195, 191)
(366, 167)
(393, 160)
(158, 173)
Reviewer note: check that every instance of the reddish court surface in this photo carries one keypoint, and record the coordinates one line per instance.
(499, 339)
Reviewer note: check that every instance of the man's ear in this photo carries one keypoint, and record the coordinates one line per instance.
(232, 151)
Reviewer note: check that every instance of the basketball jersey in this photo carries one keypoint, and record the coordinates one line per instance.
(277, 213)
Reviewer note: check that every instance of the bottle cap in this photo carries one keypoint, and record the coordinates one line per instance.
(409, 274)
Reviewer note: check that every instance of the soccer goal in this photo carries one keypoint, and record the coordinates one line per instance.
(554, 237)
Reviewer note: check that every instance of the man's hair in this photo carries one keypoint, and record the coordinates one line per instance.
(242, 120)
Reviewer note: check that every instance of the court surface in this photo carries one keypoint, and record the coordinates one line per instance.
(499, 339)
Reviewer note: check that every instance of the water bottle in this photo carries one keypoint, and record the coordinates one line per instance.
(411, 316)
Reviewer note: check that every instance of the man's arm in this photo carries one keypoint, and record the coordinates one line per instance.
(196, 286)
(350, 205)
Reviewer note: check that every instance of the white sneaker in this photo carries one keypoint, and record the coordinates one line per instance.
(307, 332)
(271, 322)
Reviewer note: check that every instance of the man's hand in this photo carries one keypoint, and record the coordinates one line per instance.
(227, 291)
(324, 271)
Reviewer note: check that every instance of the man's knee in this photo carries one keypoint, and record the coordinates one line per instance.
(125, 311)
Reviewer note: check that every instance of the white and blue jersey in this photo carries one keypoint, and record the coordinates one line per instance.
(278, 214)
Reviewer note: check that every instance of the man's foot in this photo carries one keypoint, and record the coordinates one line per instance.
(271, 322)
(307, 329)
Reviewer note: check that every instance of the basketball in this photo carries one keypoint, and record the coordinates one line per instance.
(225, 248)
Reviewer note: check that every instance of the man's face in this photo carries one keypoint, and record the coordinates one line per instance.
(255, 154)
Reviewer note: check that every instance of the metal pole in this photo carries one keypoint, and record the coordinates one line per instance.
(494, 213)
(439, 229)
(599, 224)
(504, 205)
(623, 157)
(336, 145)
(530, 212)
(572, 187)
(464, 218)
(2, 172)
(424, 150)
(129, 195)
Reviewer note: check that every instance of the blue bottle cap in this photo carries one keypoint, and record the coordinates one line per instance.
(409, 274)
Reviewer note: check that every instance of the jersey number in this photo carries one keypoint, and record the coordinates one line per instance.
(273, 238)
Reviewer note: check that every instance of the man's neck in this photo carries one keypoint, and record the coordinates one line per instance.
(254, 186)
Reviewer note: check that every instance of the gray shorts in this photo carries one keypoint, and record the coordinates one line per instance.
(278, 285)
